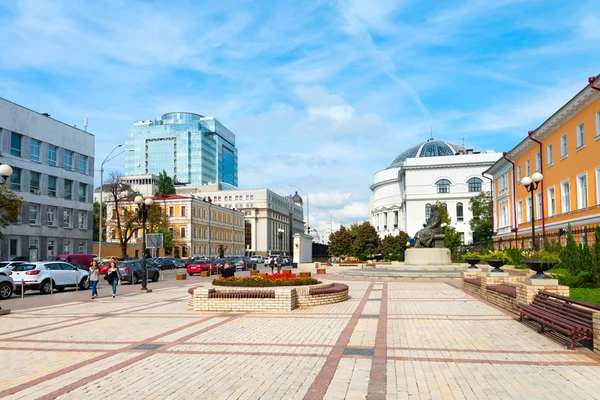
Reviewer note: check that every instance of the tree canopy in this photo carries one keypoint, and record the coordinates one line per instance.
(340, 242)
(481, 223)
(10, 207)
(165, 184)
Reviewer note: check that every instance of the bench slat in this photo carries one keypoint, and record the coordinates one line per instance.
(571, 300)
(563, 308)
(560, 318)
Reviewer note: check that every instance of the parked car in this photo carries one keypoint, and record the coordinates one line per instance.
(110, 258)
(243, 263)
(20, 258)
(7, 266)
(133, 272)
(220, 263)
(200, 265)
(258, 259)
(103, 267)
(95, 257)
(7, 287)
(83, 259)
(166, 263)
(47, 275)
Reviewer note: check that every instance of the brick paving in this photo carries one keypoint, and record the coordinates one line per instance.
(391, 339)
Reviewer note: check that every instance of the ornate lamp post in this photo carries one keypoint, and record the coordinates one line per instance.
(531, 184)
(144, 207)
(5, 173)
(102, 197)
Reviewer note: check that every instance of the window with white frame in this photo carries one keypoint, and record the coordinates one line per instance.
(81, 247)
(51, 251)
(183, 211)
(598, 124)
(528, 209)
(68, 160)
(443, 186)
(51, 155)
(67, 247)
(565, 196)
(82, 223)
(83, 164)
(527, 168)
(34, 182)
(52, 185)
(182, 231)
(580, 135)
(582, 201)
(474, 185)
(520, 211)
(35, 150)
(551, 202)
(14, 248)
(34, 214)
(538, 162)
(66, 218)
(171, 211)
(563, 146)
(538, 205)
(549, 155)
(51, 216)
(519, 173)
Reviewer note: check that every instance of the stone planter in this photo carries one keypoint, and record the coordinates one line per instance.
(253, 272)
(305, 274)
(180, 277)
(539, 266)
(472, 261)
(495, 263)
(204, 273)
(321, 271)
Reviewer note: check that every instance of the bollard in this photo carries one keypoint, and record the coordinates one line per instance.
(77, 283)
(162, 277)
(22, 289)
(51, 286)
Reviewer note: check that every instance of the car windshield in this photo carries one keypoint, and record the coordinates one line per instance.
(24, 267)
(4, 264)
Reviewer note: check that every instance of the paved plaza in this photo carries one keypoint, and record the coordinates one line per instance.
(392, 339)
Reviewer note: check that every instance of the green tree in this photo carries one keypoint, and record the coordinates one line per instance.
(366, 240)
(340, 242)
(570, 255)
(452, 238)
(481, 223)
(97, 221)
(394, 244)
(165, 184)
(10, 207)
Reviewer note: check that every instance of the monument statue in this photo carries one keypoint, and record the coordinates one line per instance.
(424, 238)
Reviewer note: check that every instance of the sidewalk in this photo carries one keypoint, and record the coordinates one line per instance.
(392, 339)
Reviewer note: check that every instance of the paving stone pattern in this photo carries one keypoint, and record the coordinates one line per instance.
(391, 339)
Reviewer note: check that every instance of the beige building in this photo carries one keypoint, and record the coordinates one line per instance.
(198, 227)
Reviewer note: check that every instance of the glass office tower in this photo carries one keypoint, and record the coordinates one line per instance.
(192, 149)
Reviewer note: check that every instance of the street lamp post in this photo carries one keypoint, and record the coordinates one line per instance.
(144, 206)
(102, 199)
(280, 235)
(307, 208)
(531, 184)
(5, 173)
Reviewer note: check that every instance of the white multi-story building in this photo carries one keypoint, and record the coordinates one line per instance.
(271, 220)
(53, 171)
(404, 192)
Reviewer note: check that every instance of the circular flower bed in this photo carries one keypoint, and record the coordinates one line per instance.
(269, 280)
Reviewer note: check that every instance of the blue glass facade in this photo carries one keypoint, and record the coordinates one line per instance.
(192, 149)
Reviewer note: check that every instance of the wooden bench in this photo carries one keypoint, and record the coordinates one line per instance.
(504, 289)
(473, 281)
(336, 288)
(563, 314)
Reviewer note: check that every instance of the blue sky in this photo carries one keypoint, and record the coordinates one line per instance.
(320, 94)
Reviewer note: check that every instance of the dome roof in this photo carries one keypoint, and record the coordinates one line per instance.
(296, 198)
(430, 148)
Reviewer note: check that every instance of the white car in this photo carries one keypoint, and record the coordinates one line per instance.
(258, 259)
(48, 275)
(7, 287)
(7, 266)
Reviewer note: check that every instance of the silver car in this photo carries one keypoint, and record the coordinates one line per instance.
(49, 275)
(7, 266)
(7, 287)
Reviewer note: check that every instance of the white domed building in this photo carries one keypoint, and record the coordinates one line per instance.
(420, 176)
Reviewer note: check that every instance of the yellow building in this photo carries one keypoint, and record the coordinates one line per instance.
(565, 149)
(198, 226)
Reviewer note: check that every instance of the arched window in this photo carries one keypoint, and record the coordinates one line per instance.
(459, 211)
(443, 186)
(427, 211)
(474, 184)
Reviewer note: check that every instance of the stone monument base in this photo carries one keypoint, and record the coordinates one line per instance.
(427, 256)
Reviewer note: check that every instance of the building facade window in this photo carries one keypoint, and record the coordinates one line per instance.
(66, 218)
(68, 160)
(443, 186)
(182, 231)
(551, 202)
(16, 141)
(52, 186)
(598, 124)
(51, 216)
(527, 168)
(15, 179)
(519, 176)
(34, 154)
(580, 135)
(474, 184)
(427, 211)
(67, 247)
(52, 155)
(82, 192)
(538, 162)
(459, 211)
(563, 146)
(50, 253)
(68, 189)
(520, 211)
(538, 205)
(82, 220)
(582, 201)
(34, 182)
(183, 211)
(565, 197)
(82, 164)
(14, 248)
(34, 214)
(528, 206)
(171, 211)
(549, 154)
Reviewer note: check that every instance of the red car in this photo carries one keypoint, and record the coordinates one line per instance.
(200, 265)
(103, 267)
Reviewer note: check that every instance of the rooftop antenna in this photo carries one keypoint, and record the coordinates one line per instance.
(463, 139)
(430, 132)
(85, 122)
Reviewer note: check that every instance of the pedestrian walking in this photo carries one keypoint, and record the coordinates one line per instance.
(279, 262)
(94, 277)
(113, 277)
(272, 264)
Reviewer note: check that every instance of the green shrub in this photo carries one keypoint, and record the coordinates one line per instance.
(515, 255)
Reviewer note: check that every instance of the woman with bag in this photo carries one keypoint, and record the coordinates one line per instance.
(113, 277)
(94, 276)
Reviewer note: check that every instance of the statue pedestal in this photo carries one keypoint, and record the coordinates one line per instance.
(427, 256)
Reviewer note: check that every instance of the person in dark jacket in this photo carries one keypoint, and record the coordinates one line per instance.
(228, 271)
(272, 264)
(113, 276)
